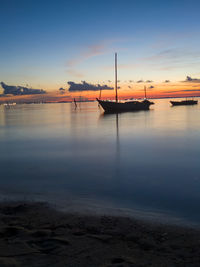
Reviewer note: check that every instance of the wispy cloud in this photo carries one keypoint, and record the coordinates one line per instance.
(87, 53)
(168, 59)
(174, 54)
(75, 73)
(173, 58)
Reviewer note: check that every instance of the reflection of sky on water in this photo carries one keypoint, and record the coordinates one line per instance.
(147, 160)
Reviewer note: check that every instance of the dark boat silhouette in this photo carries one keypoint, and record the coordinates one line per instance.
(184, 102)
(110, 106)
(115, 107)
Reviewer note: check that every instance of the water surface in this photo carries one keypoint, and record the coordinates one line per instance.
(146, 161)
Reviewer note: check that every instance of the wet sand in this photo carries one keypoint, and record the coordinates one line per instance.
(33, 234)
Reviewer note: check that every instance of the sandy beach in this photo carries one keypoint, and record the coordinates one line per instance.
(34, 234)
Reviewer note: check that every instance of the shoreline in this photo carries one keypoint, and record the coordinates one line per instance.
(87, 206)
(36, 234)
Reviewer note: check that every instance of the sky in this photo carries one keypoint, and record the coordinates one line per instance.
(46, 44)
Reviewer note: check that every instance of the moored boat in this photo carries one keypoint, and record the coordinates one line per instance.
(184, 102)
(110, 106)
(115, 107)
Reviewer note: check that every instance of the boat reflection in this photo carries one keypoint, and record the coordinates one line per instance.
(110, 117)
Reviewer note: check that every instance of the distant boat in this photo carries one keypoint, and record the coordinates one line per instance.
(184, 102)
(115, 107)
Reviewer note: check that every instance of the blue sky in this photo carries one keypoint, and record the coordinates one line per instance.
(46, 43)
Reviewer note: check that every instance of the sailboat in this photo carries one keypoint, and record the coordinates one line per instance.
(115, 107)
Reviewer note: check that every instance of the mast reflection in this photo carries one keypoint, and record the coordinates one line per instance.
(111, 117)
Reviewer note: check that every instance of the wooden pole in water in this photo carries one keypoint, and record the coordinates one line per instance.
(75, 103)
(116, 97)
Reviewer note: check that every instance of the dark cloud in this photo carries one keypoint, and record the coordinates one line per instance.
(185, 90)
(84, 86)
(129, 86)
(190, 79)
(151, 87)
(109, 81)
(20, 90)
(190, 90)
(167, 81)
(149, 81)
(62, 90)
(140, 81)
(130, 81)
(4, 95)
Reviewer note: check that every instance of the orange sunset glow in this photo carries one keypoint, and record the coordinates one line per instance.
(154, 90)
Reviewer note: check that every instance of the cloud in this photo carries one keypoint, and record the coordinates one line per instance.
(62, 90)
(109, 81)
(20, 90)
(190, 90)
(168, 54)
(84, 86)
(75, 73)
(129, 86)
(172, 58)
(167, 59)
(87, 53)
(91, 51)
(185, 90)
(194, 80)
(167, 81)
(140, 81)
(149, 81)
(151, 87)
(130, 81)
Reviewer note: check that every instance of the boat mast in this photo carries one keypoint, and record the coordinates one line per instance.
(145, 92)
(100, 94)
(116, 97)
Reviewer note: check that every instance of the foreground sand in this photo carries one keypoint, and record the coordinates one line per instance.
(32, 234)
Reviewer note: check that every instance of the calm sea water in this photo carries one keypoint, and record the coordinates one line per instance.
(144, 162)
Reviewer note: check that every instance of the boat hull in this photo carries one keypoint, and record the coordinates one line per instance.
(184, 102)
(115, 107)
